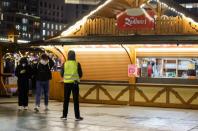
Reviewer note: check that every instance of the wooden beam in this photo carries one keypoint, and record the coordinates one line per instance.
(133, 39)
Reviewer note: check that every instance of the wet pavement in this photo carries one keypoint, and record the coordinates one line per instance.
(97, 118)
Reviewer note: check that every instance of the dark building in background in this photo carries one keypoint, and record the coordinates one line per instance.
(52, 16)
(19, 20)
(29, 20)
(59, 11)
(56, 14)
(191, 5)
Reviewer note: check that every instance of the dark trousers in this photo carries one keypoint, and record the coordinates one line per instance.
(33, 86)
(23, 90)
(42, 86)
(68, 87)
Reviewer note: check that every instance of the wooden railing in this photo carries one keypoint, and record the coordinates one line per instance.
(123, 93)
(169, 25)
(175, 95)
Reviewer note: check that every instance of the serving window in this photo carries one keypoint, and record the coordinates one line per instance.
(168, 67)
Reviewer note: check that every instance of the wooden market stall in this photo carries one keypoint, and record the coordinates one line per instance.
(105, 51)
(105, 48)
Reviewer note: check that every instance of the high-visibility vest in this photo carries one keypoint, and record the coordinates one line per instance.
(71, 72)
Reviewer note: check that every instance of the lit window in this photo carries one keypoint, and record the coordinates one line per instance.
(48, 33)
(56, 27)
(44, 25)
(17, 27)
(189, 6)
(52, 26)
(24, 28)
(52, 33)
(24, 20)
(38, 36)
(44, 32)
(6, 4)
(60, 27)
(1, 16)
(48, 25)
(36, 23)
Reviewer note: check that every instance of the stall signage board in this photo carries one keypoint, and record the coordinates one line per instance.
(135, 18)
(132, 70)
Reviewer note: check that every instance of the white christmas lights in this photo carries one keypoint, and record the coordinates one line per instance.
(80, 23)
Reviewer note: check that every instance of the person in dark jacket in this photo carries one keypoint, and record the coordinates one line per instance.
(72, 74)
(43, 74)
(23, 72)
(33, 79)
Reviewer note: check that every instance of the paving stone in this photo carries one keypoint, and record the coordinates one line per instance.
(97, 118)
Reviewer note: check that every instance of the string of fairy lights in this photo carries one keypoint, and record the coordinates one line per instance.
(179, 13)
(81, 22)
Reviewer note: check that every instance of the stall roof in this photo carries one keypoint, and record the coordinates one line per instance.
(114, 7)
(134, 39)
(180, 9)
(109, 9)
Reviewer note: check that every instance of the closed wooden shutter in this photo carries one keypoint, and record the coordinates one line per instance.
(104, 65)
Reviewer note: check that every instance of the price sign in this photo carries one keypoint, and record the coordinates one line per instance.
(132, 70)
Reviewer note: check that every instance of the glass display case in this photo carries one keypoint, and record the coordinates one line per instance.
(168, 67)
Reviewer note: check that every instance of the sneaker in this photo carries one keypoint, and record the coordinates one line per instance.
(79, 119)
(46, 108)
(26, 108)
(20, 108)
(36, 109)
(63, 117)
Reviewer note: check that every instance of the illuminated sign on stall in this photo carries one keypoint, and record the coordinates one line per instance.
(135, 18)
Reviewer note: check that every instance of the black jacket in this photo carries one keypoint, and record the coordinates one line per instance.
(23, 72)
(43, 72)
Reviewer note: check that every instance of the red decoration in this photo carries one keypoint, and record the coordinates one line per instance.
(126, 20)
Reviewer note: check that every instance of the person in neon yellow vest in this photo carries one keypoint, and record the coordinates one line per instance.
(72, 73)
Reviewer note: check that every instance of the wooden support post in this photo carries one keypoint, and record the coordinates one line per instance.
(98, 93)
(132, 94)
(167, 95)
(133, 60)
(132, 80)
(159, 8)
(136, 3)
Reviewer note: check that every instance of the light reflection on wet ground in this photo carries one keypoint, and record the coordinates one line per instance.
(98, 118)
